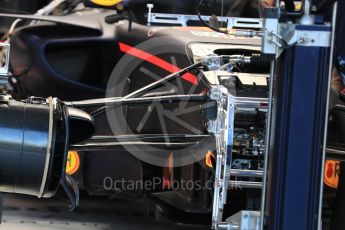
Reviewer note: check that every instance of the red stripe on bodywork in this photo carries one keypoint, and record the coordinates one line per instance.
(156, 61)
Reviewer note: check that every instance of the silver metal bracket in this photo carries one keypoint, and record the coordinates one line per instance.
(244, 220)
(298, 35)
(212, 62)
(279, 36)
(181, 19)
(271, 38)
(222, 128)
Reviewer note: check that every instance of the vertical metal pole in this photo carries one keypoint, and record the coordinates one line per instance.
(217, 211)
(266, 157)
(334, 22)
(306, 7)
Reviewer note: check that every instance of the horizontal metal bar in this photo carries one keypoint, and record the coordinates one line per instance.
(339, 107)
(335, 151)
(140, 92)
(241, 102)
(180, 19)
(227, 226)
(248, 102)
(92, 146)
(119, 100)
(337, 154)
(247, 173)
(244, 184)
(148, 137)
(138, 141)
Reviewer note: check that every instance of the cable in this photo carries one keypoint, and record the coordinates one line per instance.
(211, 27)
(205, 23)
(119, 100)
(239, 33)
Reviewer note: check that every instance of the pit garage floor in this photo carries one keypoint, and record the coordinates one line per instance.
(26, 213)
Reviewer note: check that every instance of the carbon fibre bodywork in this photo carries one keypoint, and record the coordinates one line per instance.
(76, 62)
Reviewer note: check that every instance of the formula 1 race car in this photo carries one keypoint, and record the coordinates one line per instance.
(86, 53)
(162, 75)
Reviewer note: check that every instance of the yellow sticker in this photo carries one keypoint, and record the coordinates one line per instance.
(332, 170)
(73, 162)
(106, 2)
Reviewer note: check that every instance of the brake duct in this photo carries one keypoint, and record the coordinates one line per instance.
(35, 135)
